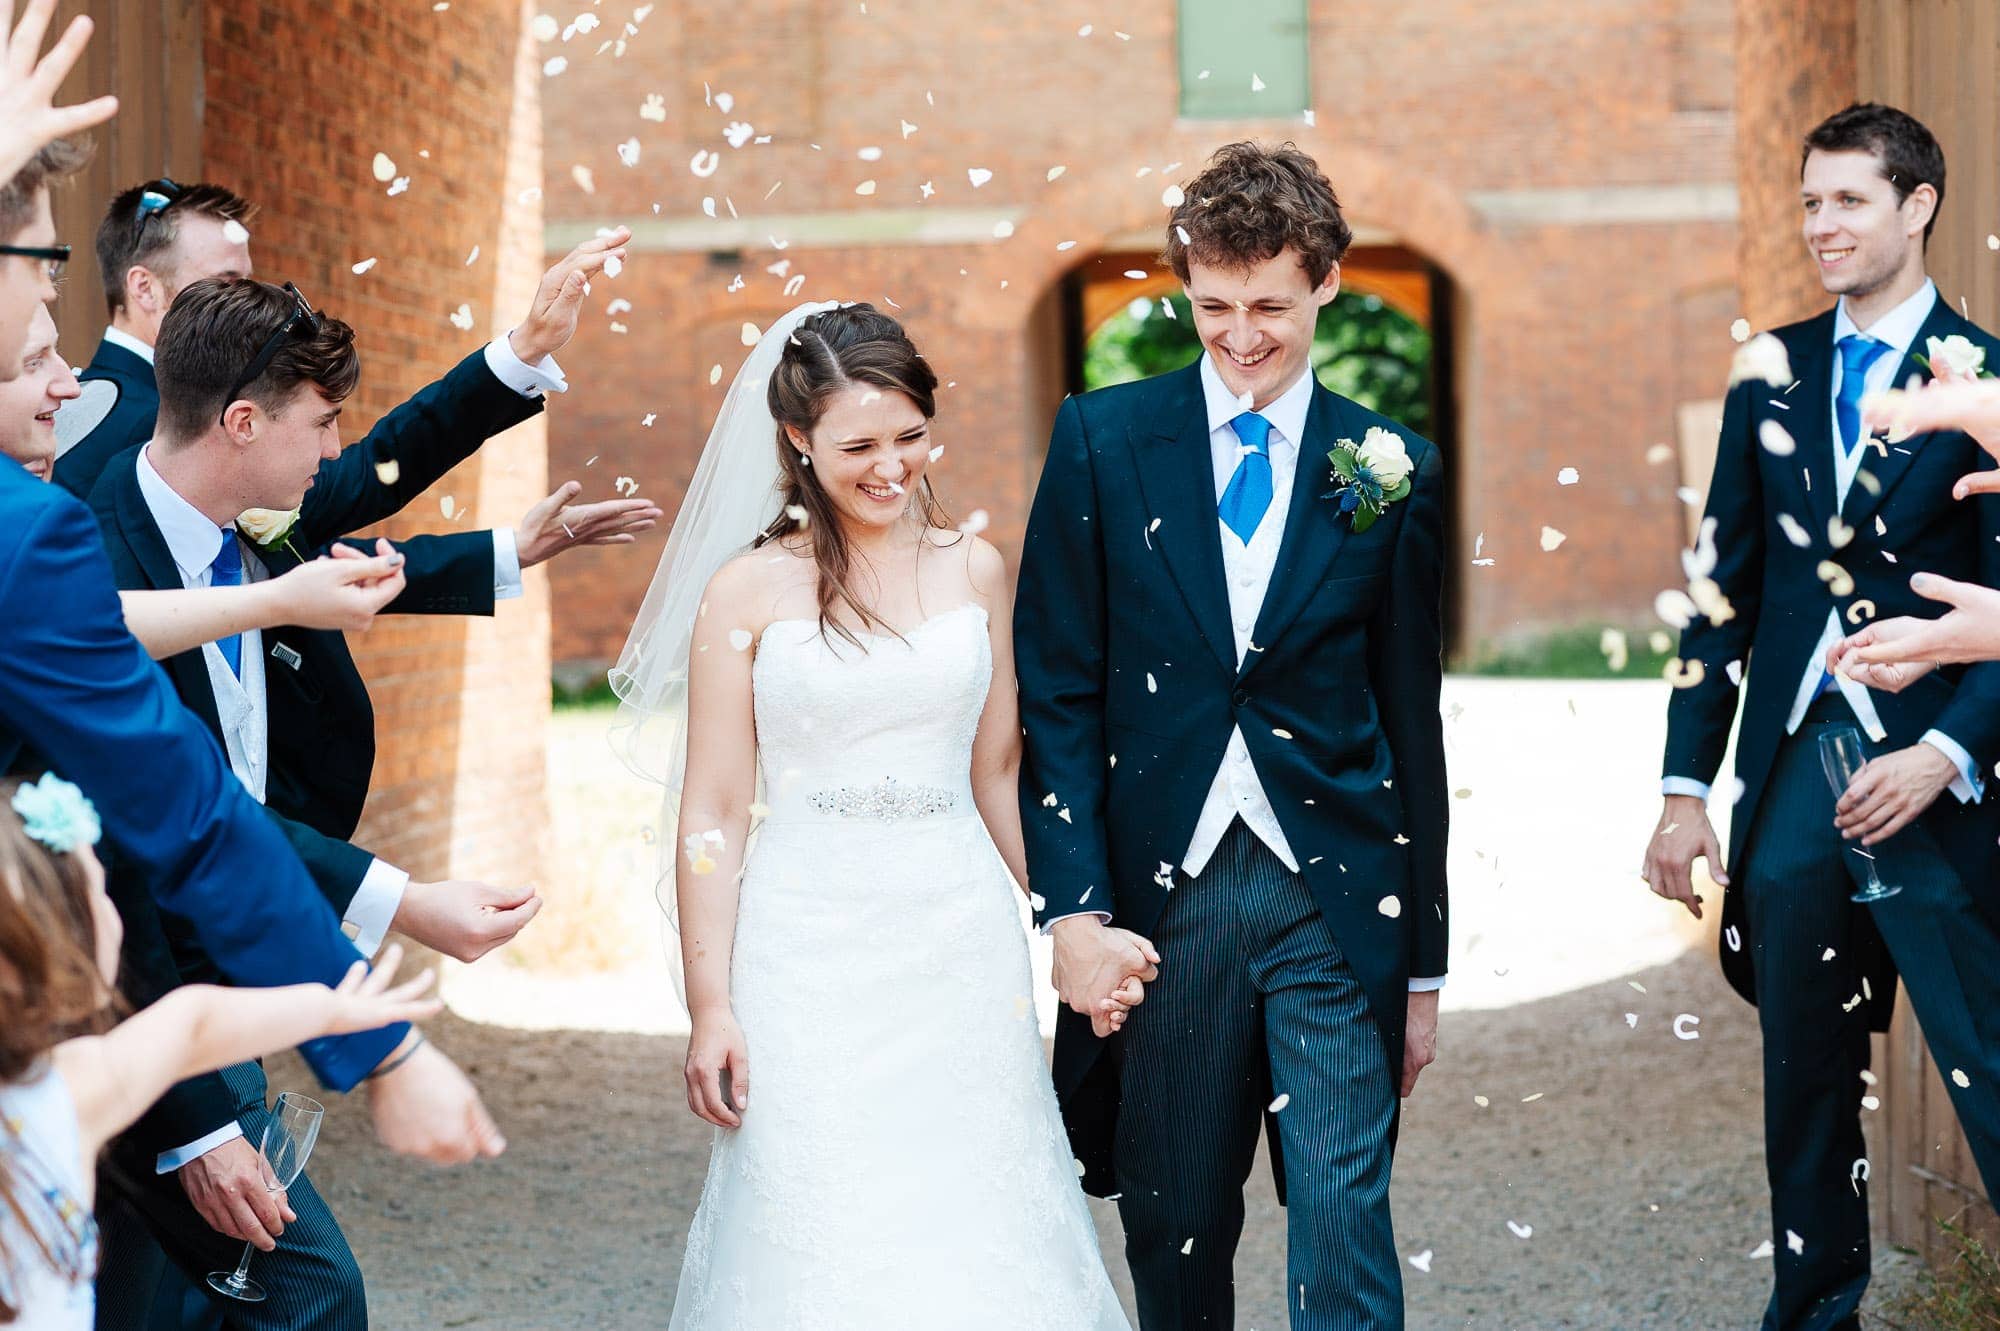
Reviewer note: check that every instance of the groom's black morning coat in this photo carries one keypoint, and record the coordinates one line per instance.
(1130, 689)
(1899, 519)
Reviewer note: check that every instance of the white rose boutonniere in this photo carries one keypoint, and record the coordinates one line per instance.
(270, 529)
(1369, 476)
(1958, 354)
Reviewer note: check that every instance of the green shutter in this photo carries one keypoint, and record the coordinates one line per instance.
(1241, 43)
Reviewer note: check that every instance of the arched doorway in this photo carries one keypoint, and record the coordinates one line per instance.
(1387, 341)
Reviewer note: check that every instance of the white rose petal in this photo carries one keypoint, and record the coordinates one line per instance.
(1390, 906)
(1960, 1080)
(1422, 1261)
(1763, 358)
(461, 318)
(235, 232)
(739, 639)
(1740, 330)
(1551, 538)
(364, 266)
(1520, 1230)
(1776, 439)
(1684, 1026)
(978, 175)
(1567, 476)
(628, 152)
(384, 167)
(1281, 1102)
(654, 108)
(1794, 1242)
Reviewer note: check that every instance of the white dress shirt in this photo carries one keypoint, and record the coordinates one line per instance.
(1898, 330)
(118, 337)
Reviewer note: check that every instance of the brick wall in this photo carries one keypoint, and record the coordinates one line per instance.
(300, 97)
(1552, 159)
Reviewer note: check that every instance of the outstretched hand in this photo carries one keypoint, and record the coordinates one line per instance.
(1892, 654)
(552, 316)
(343, 590)
(367, 1000)
(29, 117)
(1947, 402)
(555, 524)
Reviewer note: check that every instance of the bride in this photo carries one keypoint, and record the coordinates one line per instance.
(903, 1164)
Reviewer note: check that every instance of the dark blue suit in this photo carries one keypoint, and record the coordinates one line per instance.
(1130, 689)
(1789, 907)
(130, 420)
(79, 690)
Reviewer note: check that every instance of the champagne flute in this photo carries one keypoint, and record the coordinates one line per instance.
(1840, 752)
(289, 1135)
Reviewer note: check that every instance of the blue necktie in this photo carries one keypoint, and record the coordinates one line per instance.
(1857, 353)
(227, 571)
(1249, 491)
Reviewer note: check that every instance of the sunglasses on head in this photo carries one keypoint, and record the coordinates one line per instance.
(155, 198)
(303, 321)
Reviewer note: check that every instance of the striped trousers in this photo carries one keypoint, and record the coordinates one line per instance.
(313, 1280)
(1254, 1001)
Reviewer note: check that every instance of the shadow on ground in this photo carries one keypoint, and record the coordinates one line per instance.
(1631, 1155)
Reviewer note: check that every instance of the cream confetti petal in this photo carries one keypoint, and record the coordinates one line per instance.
(739, 639)
(385, 168)
(1551, 538)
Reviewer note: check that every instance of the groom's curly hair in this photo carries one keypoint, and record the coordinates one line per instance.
(1252, 203)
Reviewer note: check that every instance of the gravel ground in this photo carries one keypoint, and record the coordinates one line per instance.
(1631, 1159)
(1637, 1171)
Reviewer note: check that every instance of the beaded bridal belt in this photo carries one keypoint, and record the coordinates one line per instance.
(887, 800)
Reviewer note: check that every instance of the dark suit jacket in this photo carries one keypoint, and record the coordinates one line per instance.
(1122, 594)
(129, 422)
(78, 688)
(1903, 521)
(322, 725)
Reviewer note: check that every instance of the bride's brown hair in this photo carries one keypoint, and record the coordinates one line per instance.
(832, 350)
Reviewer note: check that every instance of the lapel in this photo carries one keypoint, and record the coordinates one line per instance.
(1808, 418)
(1314, 528)
(1177, 479)
(148, 548)
(1888, 467)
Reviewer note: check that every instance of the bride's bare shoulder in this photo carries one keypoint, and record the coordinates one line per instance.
(751, 589)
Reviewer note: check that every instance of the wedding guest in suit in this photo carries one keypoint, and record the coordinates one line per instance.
(70, 1079)
(1812, 527)
(1228, 633)
(227, 441)
(76, 686)
(154, 240)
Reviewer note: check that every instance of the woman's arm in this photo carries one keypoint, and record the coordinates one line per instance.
(716, 792)
(342, 592)
(199, 1028)
(996, 749)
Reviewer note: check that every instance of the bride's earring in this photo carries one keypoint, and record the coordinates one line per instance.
(805, 459)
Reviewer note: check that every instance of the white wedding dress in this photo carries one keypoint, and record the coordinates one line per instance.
(902, 1163)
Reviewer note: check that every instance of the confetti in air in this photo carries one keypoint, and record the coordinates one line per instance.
(364, 266)
(385, 168)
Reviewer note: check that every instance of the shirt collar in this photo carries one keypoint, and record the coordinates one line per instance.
(1286, 412)
(118, 337)
(1899, 327)
(191, 538)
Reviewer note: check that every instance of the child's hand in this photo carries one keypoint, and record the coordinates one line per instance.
(366, 1001)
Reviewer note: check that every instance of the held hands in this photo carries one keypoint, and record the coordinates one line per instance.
(718, 1068)
(552, 316)
(1892, 654)
(1889, 792)
(231, 1191)
(1682, 837)
(554, 524)
(462, 919)
(29, 117)
(428, 1108)
(1420, 1038)
(343, 591)
(1101, 971)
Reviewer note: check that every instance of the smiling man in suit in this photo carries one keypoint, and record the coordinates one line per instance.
(1229, 655)
(1812, 528)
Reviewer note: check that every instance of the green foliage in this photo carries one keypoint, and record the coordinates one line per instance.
(1576, 653)
(1363, 349)
(1962, 1295)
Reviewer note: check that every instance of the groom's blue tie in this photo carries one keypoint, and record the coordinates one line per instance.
(1249, 491)
(1857, 353)
(227, 571)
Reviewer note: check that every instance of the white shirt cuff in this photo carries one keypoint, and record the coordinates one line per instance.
(528, 380)
(169, 1161)
(1968, 787)
(1427, 985)
(373, 910)
(1685, 785)
(1103, 917)
(506, 564)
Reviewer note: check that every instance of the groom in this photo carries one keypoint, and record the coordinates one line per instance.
(1228, 648)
